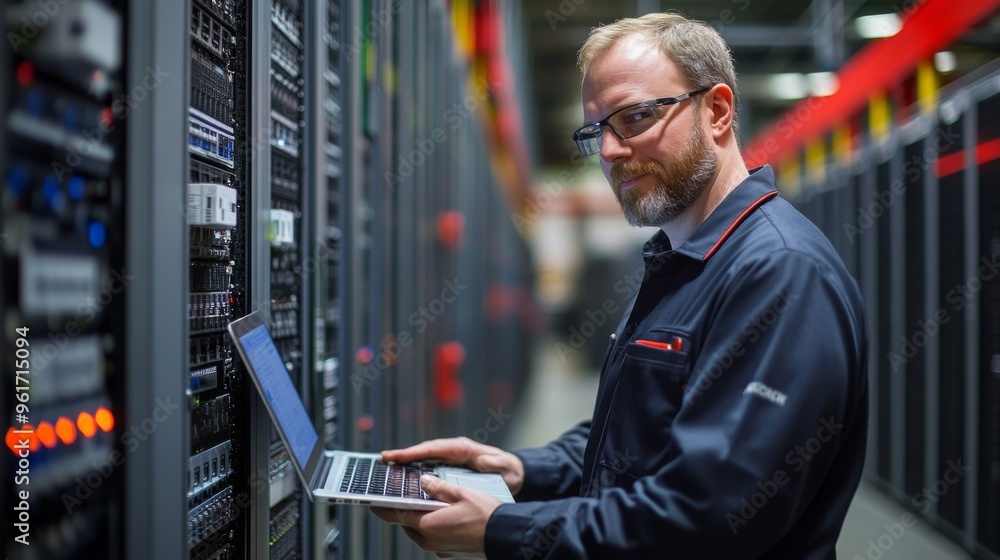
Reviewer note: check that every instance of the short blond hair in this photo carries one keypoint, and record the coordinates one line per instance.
(694, 46)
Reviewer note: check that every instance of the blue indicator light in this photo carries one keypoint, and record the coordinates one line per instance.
(76, 188)
(51, 190)
(58, 202)
(71, 117)
(97, 234)
(35, 102)
(17, 179)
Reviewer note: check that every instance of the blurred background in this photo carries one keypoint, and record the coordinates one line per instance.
(393, 185)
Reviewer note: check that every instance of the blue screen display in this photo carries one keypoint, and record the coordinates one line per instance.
(280, 393)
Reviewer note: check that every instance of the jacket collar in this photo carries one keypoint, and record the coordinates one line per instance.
(750, 194)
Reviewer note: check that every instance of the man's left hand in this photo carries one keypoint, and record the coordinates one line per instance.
(456, 531)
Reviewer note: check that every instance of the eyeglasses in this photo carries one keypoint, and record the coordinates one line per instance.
(627, 122)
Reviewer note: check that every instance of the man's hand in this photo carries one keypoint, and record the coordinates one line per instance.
(455, 531)
(464, 452)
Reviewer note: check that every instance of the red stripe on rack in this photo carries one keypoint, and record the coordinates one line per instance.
(988, 151)
(953, 163)
(880, 66)
(950, 164)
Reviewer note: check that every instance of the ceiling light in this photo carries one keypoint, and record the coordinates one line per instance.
(822, 84)
(945, 61)
(788, 86)
(877, 26)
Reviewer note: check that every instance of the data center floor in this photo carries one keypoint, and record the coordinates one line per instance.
(541, 417)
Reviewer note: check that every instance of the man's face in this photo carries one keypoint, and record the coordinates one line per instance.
(660, 173)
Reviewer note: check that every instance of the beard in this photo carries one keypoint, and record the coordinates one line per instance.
(676, 188)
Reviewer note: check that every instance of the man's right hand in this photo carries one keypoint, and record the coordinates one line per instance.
(466, 453)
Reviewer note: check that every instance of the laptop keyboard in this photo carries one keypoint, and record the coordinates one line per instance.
(372, 477)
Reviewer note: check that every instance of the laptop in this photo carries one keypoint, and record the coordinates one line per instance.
(340, 477)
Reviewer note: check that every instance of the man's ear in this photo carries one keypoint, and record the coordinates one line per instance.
(719, 99)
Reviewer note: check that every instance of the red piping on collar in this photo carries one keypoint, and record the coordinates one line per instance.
(739, 220)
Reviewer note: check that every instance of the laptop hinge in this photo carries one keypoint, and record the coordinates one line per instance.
(320, 474)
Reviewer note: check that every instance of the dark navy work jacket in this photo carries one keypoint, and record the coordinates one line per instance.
(732, 410)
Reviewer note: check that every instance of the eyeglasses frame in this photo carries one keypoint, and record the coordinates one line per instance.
(606, 121)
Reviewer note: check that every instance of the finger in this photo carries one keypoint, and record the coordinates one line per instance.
(453, 450)
(501, 464)
(490, 463)
(440, 490)
(434, 449)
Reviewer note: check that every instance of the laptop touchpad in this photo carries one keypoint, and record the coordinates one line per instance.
(487, 484)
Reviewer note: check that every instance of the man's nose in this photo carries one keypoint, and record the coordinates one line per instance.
(613, 148)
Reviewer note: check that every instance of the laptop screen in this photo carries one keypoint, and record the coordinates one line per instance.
(282, 398)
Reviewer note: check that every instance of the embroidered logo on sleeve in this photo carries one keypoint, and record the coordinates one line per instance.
(759, 389)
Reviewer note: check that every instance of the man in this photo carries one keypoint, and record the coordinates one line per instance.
(731, 415)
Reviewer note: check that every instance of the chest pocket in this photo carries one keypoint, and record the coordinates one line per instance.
(638, 441)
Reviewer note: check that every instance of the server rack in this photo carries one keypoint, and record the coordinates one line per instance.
(915, 311)
(248, 170)
(325, 100)
(218, 200)
(289, 247)
(952, 358)
(988, 134)
(423, 156)
(62, 242)
(927, 269)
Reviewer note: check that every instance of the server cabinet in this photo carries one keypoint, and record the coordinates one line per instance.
(889, 461)
(915, 317)
(988, 160)
(223, 226)
(325, 102)
(927, 263)
(951, 388)
(65, 278)
(289, 249)
(232, 156)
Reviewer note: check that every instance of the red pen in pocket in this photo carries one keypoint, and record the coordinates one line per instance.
(676, 345)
